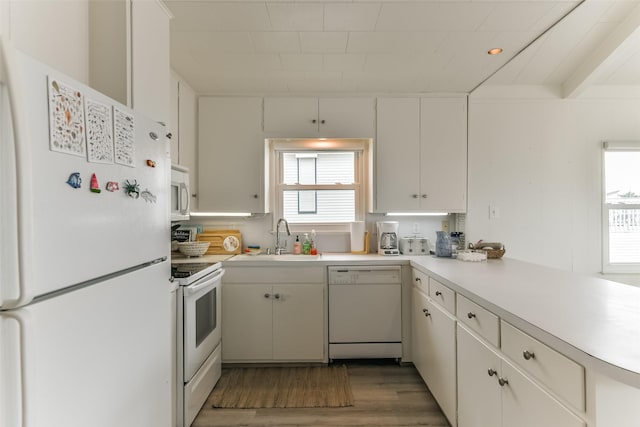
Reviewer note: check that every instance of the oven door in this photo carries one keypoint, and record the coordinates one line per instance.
(202, 316)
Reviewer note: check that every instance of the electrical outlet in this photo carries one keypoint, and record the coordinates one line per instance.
(415, 228)
(445, 225)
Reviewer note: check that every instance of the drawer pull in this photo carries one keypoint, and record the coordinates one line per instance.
(426, 312)
(418, 279)
(267, 295)
(492, 372)
(438, 293)
(502, 382)
(528, 355)
(277, 296)
(471, 315)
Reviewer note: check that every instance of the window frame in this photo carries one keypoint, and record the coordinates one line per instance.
(362, 176)
(607, 266)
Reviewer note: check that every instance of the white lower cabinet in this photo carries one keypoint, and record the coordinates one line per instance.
(492, 392)
(434, 351)
(266, 322)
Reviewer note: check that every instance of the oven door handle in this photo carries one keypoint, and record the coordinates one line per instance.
(208, 282)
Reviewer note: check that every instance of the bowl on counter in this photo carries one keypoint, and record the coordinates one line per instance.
(193, 248)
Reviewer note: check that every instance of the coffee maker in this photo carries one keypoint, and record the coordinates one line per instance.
(388, 238)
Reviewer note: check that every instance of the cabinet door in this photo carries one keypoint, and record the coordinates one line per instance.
(187, 129)
(246, 322)
(150, 67)
(397, 155)
(231, 153)
(291, 117)
(298, 322)
(441, 359)
(527, 405)
(419, 332)
(346, 118)
(174, 125)
(443, 154)
(479, 400)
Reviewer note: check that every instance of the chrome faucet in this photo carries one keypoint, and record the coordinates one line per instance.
(286, 224)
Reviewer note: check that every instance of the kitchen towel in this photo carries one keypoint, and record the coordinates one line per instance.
(357, 236)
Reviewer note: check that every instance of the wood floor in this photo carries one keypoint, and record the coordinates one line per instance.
(385, 395)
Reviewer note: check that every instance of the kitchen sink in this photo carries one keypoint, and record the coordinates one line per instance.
(271, 257)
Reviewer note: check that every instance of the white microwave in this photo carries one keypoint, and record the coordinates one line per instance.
(180, 194)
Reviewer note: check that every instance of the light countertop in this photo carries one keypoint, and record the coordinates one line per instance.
(589, 319)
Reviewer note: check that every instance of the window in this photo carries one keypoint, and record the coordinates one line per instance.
(621, 207)
(319, 183)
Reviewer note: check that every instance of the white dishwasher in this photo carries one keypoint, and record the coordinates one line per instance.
(365, 319)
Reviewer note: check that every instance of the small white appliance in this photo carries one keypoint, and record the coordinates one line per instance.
(180, 193)
(414, 245)
(388, 238)
(85, 288)
(199, 332)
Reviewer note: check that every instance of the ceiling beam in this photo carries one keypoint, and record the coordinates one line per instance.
(623, 41)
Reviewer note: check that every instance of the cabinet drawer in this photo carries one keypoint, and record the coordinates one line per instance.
(421, 281)
(442, 295)
(276, 275)
(479, 319)
(560, 374)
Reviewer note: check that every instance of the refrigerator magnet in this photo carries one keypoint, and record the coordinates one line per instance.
(112, 186)
(74, 180)
(94, 186)
(148, 196)
(132, 189)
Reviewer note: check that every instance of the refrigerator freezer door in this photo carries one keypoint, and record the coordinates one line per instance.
(99, 356)
(69, 235)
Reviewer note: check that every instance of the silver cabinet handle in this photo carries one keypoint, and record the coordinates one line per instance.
(438, 293)
(471, 315)
(528, 355)
(502, 382)
(492, 372)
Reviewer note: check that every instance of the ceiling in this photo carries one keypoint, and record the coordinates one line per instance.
(411, 46)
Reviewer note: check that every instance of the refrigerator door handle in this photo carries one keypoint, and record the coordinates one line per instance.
(21, 186)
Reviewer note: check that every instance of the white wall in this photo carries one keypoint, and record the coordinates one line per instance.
(54, 32)
(538, 159)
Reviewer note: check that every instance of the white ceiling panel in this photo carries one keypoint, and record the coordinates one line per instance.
(433, 16)
(399, 46)
(227, 16)
(324, 42)
(400, 42)
(296, 16)
(276, 42)
(351, 17)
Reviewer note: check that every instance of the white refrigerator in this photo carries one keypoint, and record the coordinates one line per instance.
(85, 295)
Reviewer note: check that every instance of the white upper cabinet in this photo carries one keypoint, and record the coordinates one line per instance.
(231, 155)
(421, 155)
(129, 54)
(150, 65)
(397, 161)
(443, 154)
(319, 117)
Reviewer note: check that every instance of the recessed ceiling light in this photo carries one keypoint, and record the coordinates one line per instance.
(495, 51)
